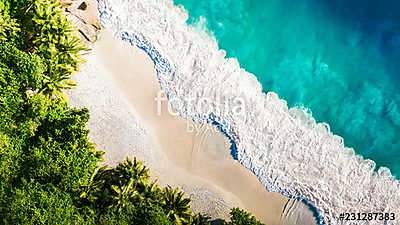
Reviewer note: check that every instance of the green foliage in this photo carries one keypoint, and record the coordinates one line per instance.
(150, 195)
(124, 192)
(8, 27)
(29, 67)
(10, 98)
(60, 151)
(176, 205)
(47, 33)
(199, 219)
(241, 217)
(41, 167)
(52, 38)
(133, 171)
(116, 188)
(44, 146)
(143, 214)
(11, 101)
(151, 214)
(38, 204)
(9, 154)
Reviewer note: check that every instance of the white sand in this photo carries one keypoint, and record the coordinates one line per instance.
(119, 85)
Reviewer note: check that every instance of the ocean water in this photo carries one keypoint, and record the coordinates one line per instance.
(339, 59)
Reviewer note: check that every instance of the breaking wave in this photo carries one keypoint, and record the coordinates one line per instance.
(284, 147)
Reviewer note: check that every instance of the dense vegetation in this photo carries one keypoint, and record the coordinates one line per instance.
(49, 171)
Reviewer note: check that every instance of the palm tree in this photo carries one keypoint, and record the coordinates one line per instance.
(150, 194)
(92, 189)
(176, 206)
(128, 179)
(124, 194)
(53, 87)
(133, 170)
(71, 49)
(55, 42)
(199, 219)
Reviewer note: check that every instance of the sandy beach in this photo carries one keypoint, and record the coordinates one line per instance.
(121, 94)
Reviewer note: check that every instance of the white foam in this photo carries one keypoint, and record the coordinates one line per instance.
(285, 148)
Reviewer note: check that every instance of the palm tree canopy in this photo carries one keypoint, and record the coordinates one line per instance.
(176, 205)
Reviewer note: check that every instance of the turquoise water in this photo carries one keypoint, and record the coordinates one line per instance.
(340, 59)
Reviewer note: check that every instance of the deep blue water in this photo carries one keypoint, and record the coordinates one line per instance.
(338, 58)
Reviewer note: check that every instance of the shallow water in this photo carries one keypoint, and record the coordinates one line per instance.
(339, 59)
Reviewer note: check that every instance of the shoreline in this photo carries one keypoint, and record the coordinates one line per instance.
(204, 167)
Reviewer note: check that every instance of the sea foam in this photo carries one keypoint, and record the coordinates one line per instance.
(285, 148)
